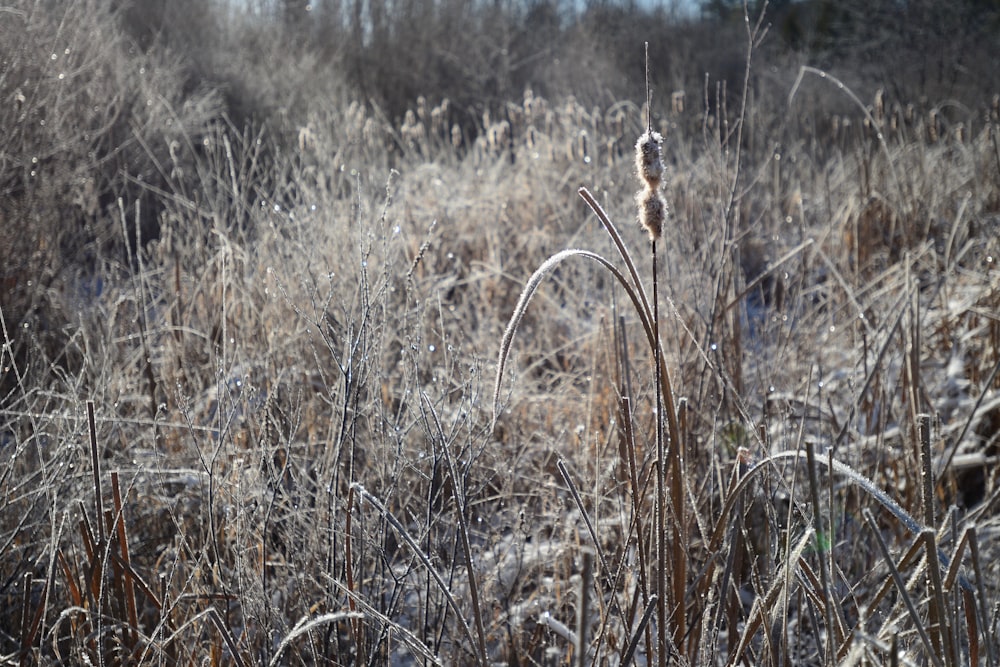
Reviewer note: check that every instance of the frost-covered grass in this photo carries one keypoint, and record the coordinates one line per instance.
(292, 457)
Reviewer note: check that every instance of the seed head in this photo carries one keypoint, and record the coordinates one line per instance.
(649, 168)
(649, 159)
(652, 211)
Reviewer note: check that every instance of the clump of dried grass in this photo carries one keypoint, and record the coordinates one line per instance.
(310, 332)
(760, 559)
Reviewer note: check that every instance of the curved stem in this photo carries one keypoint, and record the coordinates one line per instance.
(645, 312)
(529, 291)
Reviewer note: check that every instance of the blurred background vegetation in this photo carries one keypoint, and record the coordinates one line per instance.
(99, 96)
(484, 54)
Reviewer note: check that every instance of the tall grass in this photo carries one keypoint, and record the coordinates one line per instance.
(274, 433)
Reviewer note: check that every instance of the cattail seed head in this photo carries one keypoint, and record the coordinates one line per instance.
(652, 212)
(878, 109)
(677, 102)
(649, 159)
(649, 167)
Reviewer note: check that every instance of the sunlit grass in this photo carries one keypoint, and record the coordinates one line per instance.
(288, 339)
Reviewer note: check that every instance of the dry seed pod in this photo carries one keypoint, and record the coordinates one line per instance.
(649, 167)
(677, 102)
(649, 159)
(879, 106)
(652, 212)
(422, 112)
(371, 133)
(529, 102)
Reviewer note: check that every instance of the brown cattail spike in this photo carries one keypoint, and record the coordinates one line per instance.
(649, 167)
(649, 159)
(652, 212)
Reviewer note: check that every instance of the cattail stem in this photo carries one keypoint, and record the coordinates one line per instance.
(661, 480)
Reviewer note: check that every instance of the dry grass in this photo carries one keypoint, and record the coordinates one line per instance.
(266, 436)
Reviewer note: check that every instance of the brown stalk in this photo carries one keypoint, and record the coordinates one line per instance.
(939, 617)
(118, 583)
(138, 582)
(661, 496)
(926, 470)
(96, 567)
(972, 628)
(981, 594)
(227, 636)
(667, 458)
(643, 628)
(25, 616)
(125, 567)
(28, 638)
(71, 585)
(583, 622)
(637, 494)
(95, 461)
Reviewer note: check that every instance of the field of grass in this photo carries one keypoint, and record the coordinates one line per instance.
(251, 408)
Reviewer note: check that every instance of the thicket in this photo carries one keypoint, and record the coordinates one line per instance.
(258, 258)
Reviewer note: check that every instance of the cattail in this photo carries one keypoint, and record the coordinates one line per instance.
(649, 159)
(677, 102)
(597, 121)
(611, 148)
(371, 133)
(307, 140)
(652, 212)
(499, 137)
(413, 130)
(422, 112)
(649, 168)
(879, 106)
(933, 126)
(529, 102)
(516, 118)
(896, 119)
(439, 121)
